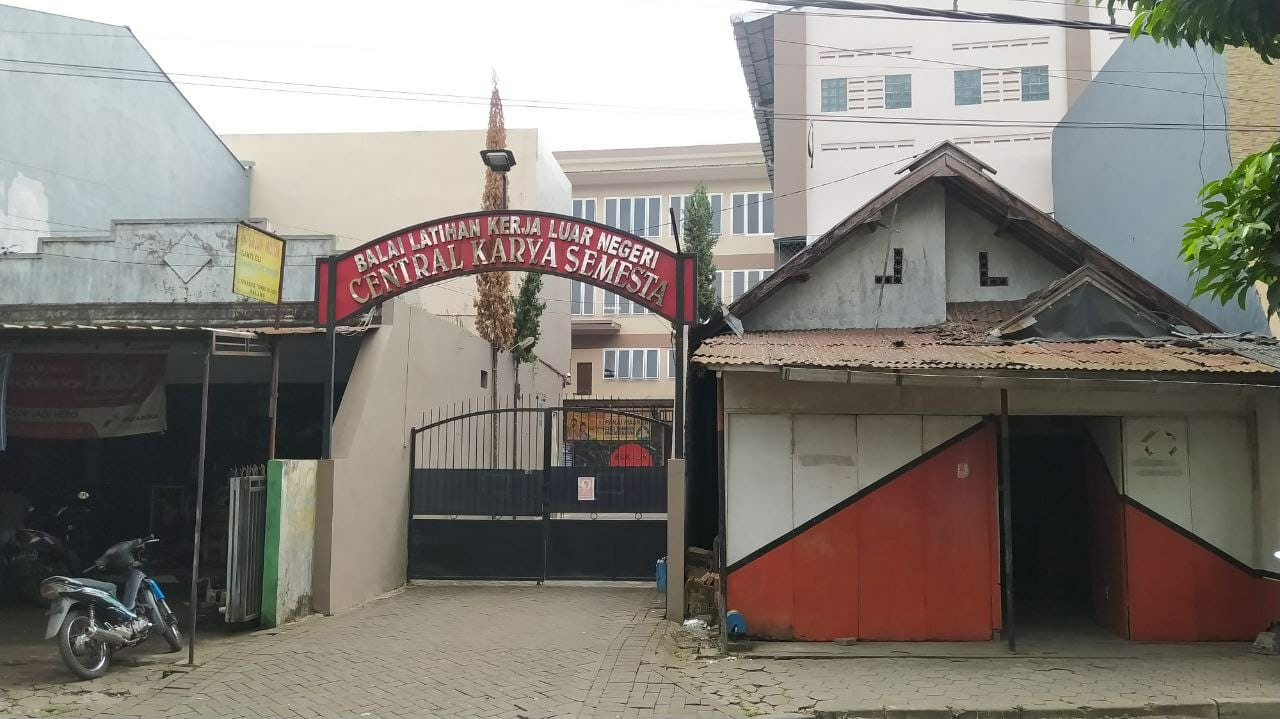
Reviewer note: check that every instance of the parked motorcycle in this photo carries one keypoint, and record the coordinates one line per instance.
(27, 557)
(73, 522)
(92, 619)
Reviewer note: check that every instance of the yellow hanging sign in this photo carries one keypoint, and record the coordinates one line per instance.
(259, 266)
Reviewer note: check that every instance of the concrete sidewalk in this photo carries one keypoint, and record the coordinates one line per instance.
(1125, 680)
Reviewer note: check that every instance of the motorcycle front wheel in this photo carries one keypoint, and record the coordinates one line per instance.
(86, 657)
(172, 636)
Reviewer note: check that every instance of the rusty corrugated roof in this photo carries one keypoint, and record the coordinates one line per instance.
(933, 348)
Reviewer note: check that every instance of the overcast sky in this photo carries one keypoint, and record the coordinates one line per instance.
(672, 63)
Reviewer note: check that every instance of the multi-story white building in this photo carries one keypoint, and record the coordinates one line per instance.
(843, 100)
(622, 353)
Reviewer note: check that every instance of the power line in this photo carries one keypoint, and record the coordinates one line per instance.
(161, 76)
(815, 117)
(291, 87)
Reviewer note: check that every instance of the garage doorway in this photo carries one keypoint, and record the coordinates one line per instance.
(1062, 536)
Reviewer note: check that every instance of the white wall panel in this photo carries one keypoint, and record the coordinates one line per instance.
(757, 481)
(942, 428)
(1222, 484)
(1155, 466)
(825, 462)
(885, 443)
(1108, 438)
(1267, 512)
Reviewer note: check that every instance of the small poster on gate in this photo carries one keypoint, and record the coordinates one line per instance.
(586, 489)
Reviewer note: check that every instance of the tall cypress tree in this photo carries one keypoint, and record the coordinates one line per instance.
(528, 315)
(493, 301)
(700, 239)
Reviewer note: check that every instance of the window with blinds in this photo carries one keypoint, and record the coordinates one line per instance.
(741, 282)
(637, 215)
(631, 363)
(585, 208)
(582, 298)
(618, 305)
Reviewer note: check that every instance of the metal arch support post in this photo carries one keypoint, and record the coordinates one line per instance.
(678, 325)
(195, 542)
(677, 470)
(331, 352)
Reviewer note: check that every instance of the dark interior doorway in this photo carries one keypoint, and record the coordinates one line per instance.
(1052, 529)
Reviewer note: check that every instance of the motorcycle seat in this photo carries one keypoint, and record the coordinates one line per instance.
(107, 587)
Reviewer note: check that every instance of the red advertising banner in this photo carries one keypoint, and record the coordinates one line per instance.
(85, 396)
(622, 263)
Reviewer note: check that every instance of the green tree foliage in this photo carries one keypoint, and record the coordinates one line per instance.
(1235, 243)
(700, 239)
(1216, 23)
(527, 309)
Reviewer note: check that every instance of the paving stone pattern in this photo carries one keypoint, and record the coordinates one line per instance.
(446, 651)
(868, 685)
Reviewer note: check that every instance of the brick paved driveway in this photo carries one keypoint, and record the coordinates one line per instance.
(447, 651)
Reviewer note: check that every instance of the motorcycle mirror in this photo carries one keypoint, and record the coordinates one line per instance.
(82, 496)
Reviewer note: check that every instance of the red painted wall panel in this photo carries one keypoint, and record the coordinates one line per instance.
(891, 543)
(957, 540)
(826, 578)
(1108, 576)
(763, 592)
(1182, 591)
(911, 560)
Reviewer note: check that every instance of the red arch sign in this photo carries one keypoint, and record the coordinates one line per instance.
(501, 240)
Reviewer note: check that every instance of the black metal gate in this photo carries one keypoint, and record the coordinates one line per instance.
(538, 493)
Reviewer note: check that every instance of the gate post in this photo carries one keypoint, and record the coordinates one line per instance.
(413, 466)
(675, 540)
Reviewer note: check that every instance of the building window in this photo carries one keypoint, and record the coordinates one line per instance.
(985, 279)
(784, 248)
(1035, 83)
(637, 215)
(717, 209)
(631, 364)
(619, 305)
(582, 298)
(671, 363)
(835, 94)
(719, 287)
(753, 213)
(583, 379)
(743, 280)
(968, 87)
(897, 92)
(585, 209)
(896, 277)
(484, 379)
